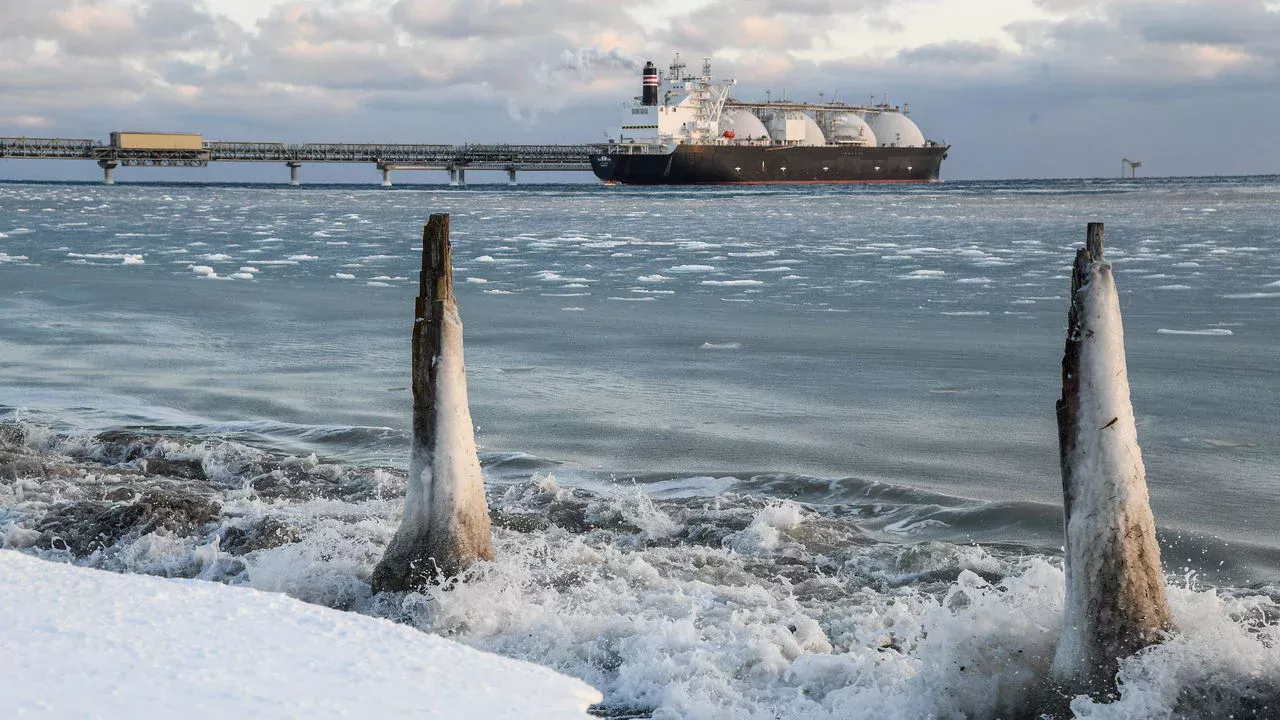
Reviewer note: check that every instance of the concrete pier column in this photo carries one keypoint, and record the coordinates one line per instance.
(511, 176)
(386, 175)
(107, 167)
(453, 175)
(462, 176)
(293, 173)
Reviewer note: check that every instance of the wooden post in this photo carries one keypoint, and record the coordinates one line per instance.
(1115, 602)
(446, 520)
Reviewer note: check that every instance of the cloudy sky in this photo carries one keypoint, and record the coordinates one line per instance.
(1021, 88)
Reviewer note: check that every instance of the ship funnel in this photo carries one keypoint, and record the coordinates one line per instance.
(650, 94)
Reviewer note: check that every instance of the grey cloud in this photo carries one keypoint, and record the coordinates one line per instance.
(1204, 23)
(951, 53)
(493, 19)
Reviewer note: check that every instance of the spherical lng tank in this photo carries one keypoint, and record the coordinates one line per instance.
(893, 129)
(743, 124)
(797, 128)
(851, 129)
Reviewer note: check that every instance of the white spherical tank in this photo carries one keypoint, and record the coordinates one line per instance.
(795, 127)
(743, 124)
(850, 129)
(895, 130)
(812, 133)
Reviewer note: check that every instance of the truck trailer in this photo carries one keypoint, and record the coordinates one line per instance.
(156, 141)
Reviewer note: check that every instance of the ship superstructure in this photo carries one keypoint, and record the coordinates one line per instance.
(688, 129)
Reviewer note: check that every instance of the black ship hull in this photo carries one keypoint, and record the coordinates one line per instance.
(736, 164)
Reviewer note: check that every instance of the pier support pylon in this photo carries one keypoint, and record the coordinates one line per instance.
(453, 175)
(511, 176)
(293, 173)
(386, 175)
(107, 167)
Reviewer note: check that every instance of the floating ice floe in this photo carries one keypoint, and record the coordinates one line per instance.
(124, 258)
(733, 283)
(1207, 331)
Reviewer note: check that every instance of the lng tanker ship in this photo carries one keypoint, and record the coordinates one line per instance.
(685, 129)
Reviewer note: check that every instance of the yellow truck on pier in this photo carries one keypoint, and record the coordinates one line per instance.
(156, 141)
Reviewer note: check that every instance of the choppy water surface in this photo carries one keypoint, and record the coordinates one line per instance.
(763, 453)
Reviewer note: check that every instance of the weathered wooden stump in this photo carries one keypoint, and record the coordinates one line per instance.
(446, 521)
(1115, 601)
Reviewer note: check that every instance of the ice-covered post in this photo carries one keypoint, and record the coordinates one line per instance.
(1115, 602)
(446, 521)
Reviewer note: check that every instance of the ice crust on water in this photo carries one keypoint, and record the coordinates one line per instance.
(1206, 331)
(141, 644)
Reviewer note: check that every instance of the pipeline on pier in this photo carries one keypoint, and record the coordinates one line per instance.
(172, 150)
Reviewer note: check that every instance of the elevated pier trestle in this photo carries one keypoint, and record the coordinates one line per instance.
(456, 159)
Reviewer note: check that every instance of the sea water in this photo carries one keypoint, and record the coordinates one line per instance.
(771, 452)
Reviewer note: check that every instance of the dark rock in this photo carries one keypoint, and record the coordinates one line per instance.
(185, 469)
(271, 532)
(120, 494)
(84, 526)
(519, 522)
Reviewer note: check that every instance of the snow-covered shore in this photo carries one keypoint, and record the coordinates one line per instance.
(87, 643)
